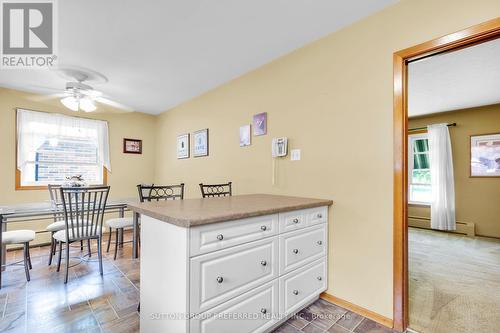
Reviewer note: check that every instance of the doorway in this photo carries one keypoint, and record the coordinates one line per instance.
(472, 36)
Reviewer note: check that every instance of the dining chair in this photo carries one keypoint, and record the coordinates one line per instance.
(83, 209)
(216, 190)
(23, 237)
(58, 215)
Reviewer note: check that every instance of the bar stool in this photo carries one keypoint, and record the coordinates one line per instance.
(146, 193)
(119, 224)
(21, 237)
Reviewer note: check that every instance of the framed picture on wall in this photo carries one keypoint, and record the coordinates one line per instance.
(245, 135)
(200, 145)
(132, 146)
(183, 146)
(485, 155)
(260, 124)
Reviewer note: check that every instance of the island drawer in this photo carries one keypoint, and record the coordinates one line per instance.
(302, 286)
(301, 247)
(293, 220)
(216, 236)
(219, 276)
(255, 312)
(316, 215)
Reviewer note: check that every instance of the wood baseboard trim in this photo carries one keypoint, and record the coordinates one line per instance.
(358, 309)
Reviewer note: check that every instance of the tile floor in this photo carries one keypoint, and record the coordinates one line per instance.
(89, 303)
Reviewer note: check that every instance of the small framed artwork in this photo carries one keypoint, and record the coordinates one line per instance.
(200, 146)
(245, 136)
(132, 146)
(260, 124)
(485, 155)
(183, 146)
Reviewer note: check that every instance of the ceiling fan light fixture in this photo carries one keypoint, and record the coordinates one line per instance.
(87, 105)
(70, 102)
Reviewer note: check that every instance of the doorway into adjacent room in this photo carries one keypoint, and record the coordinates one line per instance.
(447, 183)
(453, 208)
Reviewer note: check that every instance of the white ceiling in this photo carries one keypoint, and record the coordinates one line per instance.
(160, 53)
(457, 80)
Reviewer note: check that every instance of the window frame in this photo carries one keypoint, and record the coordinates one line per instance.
(411, 137)
(18, 176)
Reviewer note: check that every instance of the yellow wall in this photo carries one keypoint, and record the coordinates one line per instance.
(476, 199)
(333, 99)
(128, 170)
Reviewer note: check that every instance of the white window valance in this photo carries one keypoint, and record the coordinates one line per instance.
(34, 128)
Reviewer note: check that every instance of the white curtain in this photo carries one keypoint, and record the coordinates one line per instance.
(34, 128)
(443, 185)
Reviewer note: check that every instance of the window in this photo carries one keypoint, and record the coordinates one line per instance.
(52, 147)
(419, 177)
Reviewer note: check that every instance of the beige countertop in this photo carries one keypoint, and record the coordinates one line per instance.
(193, 212)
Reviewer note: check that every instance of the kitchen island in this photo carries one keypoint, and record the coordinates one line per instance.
(231, 264)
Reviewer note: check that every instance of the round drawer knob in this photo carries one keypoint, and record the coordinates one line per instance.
(320, 278)
(320, 242)
(263, 263)
(220, 279)
(220, 237)
(264, 311)
(319, 216)
(263, 228)
(295, 251)
(295, 292)
(295, 221)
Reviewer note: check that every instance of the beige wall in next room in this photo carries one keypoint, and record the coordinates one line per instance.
(333, 100)
(477, 200)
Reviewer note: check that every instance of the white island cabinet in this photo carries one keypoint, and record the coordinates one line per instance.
(236, 264)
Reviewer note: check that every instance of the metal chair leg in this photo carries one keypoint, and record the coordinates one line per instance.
(29, 256)
(116, 244)
(26, 264)
(52, 247)
(60, 255)
(109, 239)
(81, 245)
(99, 254)
(67, 263)
(88, 246)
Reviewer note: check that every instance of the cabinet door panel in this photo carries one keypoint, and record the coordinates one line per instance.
(301, 247)
(254, 311)
(218, 276)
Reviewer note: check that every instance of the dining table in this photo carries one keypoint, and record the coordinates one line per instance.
(37, 211)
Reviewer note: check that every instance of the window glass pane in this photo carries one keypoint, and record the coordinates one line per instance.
(421, 145)
(421, 177)
(420, 193)
(421, 161)
(59, 158)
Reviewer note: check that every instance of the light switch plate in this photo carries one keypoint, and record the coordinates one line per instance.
(295, 154)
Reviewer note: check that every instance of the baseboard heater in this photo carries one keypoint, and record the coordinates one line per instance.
(465, 228)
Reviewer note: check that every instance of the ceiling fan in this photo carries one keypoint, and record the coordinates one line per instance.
(79, 94)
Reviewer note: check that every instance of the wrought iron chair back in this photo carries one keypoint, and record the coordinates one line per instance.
(160, 192)
(216, 190)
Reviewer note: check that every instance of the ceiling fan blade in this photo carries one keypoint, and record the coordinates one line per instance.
(113, 104)
(41, 98)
